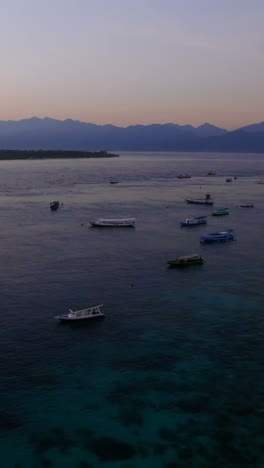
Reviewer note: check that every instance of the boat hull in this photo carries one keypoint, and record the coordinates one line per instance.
(173, 264)
(184, 224)
(94, 224)
(111, 225)
(62, 318)
(199, 202)
(220, 214)
(212, 240)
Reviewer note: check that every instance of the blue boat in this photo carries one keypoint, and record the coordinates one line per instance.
(221, 236)
(194, 221)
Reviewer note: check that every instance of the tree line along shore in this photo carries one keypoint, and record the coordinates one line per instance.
(53, 154)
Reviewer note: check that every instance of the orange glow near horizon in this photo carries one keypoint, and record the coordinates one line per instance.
(152, 61)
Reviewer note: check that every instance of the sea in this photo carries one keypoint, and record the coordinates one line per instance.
(174, 374)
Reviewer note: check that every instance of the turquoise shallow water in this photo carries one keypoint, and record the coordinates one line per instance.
(173, 377)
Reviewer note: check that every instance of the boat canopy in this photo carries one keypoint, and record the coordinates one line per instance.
(81, 308)
(116, 220)
(188, 257)
(219, 233)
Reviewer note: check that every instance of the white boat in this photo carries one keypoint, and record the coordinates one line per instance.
(114, 222)
(247, 205)
(190, 221)
(82, 313)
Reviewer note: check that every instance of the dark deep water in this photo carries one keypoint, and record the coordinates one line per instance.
(174, 375)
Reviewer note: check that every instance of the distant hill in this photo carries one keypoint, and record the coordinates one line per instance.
(52, 134)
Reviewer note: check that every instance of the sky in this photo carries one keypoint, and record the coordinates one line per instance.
(133, 61)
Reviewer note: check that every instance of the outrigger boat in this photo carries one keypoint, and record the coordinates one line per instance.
(186, 260)
(82, 313)
(190, 221)
(54, 205)
(221, 212)
(114, 222)
(221, 236)
(200, 201)
(247, 205)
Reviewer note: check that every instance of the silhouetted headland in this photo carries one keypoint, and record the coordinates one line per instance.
(50, 154)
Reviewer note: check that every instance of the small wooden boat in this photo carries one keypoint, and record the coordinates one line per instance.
(184, 176)
(82, 313)
(194, 221)
(221, 236)
(200, 201)
(114, 181)
(54, 205)
(211, 173)
(114, 222)
(229, 179)
(247, 205)
(186, 260)
(221, 212)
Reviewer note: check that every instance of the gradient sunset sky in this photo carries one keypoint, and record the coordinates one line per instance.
(133, 61)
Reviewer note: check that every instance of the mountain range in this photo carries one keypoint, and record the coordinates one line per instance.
(52, 134)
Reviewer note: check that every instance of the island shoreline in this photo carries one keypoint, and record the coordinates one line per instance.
(12, 155)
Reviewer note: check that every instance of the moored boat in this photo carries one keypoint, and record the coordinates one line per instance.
(229, 179)
(54, 205)
(194, 221)
(184, 176)
(113, 181)
(211, 173)
(81, 313)
(186, 260)
(114, 222)
(200, 201)
(221, 236)
(221, 212)
(247, 205)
